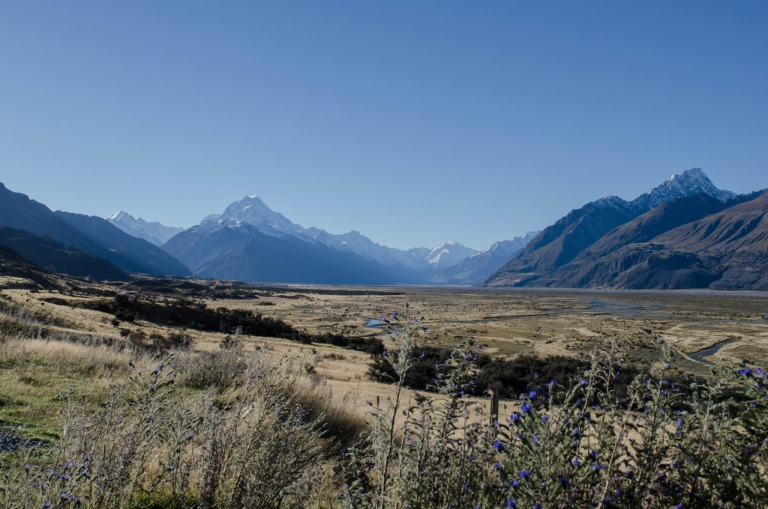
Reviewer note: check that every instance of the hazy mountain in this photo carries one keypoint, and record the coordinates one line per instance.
(153, 232)
(57, 257)
(356, 243)
(478, 267)
(124, 250)
(448, 254)
(245, 253)
(251, 210)
(88, 234)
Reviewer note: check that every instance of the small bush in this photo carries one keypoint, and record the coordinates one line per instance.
(219, 370)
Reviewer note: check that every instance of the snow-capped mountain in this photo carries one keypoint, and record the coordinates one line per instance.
(611, 202)
(153, 232)
(476, 268)
(688, 183)
(448, 254)
(613, 242)
(357, 243)
(252, 211)
(507, 247)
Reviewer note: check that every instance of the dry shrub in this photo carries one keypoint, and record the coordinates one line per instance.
(153, 446)
(214, 370)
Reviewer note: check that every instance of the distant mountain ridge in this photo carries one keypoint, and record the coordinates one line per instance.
(153, 232)
(250, 241)
(475, 268)
(683, 233)
(619, 244)
(243, 252)
(253, 211)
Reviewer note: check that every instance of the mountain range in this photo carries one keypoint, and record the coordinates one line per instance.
(251, 242)
(247, 242)
(684, 233)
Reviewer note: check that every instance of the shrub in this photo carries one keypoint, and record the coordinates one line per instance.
(510, 378)
(220, 370)
(149, 446)
(592, 440)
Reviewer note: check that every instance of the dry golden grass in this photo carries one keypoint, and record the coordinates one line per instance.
(508, 323)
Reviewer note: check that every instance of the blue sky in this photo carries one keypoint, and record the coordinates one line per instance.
(412, 122)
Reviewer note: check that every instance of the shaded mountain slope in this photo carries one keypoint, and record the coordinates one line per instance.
(568, 253)
(57, 257)
(88, 234)
(732, 243)
(125, 251)
(563, 241)
(727, 250)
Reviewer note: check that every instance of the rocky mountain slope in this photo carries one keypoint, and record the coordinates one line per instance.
(654, 249)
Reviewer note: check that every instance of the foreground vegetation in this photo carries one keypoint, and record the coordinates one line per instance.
(124, 424)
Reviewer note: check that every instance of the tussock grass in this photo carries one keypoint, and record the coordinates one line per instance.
(234, 428)
(65, 356)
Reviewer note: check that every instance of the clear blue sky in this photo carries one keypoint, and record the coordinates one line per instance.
(412, 122)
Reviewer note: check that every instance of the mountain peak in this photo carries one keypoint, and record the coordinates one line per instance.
(253, 211)
(610, 201)
(687, 183)
(153, 232)
(120, 215)
(448, 253)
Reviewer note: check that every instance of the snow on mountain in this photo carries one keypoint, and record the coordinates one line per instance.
(613, 202)
(448, 254)
(688, 183)
(478, 267)
(252, 211)
(153, 232)
(359, 244)
(507, 248)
